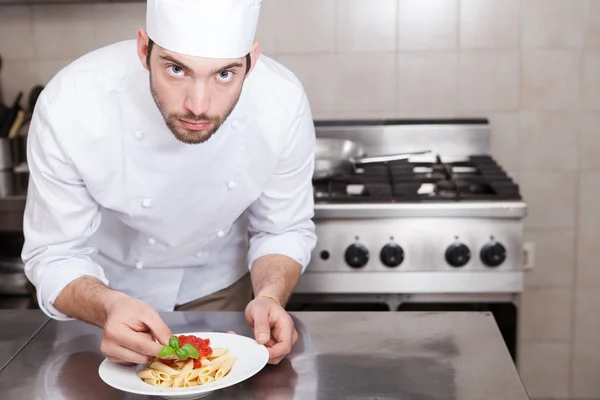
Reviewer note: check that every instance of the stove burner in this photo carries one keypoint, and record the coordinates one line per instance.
(477, 178)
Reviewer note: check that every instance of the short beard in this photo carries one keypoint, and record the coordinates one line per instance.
(185, 135)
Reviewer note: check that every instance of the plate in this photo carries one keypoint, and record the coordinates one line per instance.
(251, 357)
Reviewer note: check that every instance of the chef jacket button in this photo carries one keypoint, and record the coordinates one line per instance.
(235, 124)
(147, 203)
(151, 241)
(199, 254)
(139, 265)
(220, 234)
(231, 184)
(138, 135)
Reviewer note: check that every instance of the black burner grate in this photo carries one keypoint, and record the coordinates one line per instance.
(478, 178)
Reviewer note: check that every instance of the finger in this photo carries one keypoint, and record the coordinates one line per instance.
(284, 337)
(232, 332)
(127, 356)
(158, 327)
(136, 341)
(262, 328)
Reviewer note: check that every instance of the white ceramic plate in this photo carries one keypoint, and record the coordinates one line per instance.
(251, 357)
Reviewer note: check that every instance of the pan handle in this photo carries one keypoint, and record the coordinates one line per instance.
(393, 157)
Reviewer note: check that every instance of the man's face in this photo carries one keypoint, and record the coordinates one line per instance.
(195, 95)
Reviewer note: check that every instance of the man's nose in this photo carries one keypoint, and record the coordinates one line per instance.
(198, 100)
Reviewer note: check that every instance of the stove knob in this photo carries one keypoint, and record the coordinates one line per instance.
(493, 254)
(356, 256)
(457, 255)
(391, 255)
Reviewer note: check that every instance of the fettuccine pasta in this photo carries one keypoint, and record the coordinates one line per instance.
(214, 364)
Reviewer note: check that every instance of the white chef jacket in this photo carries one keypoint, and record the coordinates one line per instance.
(114, 195)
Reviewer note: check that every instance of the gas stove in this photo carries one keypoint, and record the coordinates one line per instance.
(449, 221)
(475, 178)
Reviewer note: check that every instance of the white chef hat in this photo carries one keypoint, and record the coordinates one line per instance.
(203, 28)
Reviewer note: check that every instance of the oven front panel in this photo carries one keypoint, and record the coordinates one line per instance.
(358, 246)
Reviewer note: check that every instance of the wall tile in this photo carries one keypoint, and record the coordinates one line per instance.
(589, 149)
(592, 34)
(16, 33)
(591, 80)
(317, 73)
(544, 368)
(505, 140)
(490, 24)
(586, 370)
(265, 31)
(366, 25)
(62, 31)
(489, 81)
(587, 317)
(551, 79)
(546, 314)
(366, 83)
(553, 24)
(423, 84)
(588, 271)
(18, 75)
(551, 197)
(304, 26)
(554, 258)
(117, 22)
(428, 24)
(549, 141)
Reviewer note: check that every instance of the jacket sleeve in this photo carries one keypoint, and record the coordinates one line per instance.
(280, 220)
(60, 214)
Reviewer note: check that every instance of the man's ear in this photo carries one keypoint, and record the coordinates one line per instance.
(142, 47)
(254, 54)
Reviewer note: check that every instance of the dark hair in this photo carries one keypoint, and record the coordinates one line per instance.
(151, 45)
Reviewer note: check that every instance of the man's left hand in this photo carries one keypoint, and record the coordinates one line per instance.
(272, 326)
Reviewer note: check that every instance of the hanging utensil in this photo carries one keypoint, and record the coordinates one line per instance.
(338, 156)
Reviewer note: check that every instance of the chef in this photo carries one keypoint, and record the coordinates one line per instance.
(172, 172)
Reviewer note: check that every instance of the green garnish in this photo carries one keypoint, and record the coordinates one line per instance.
(183, 353)
(166, 351)
(191, 351)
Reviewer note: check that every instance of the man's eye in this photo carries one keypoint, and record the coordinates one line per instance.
(225, 76)
(175, 70)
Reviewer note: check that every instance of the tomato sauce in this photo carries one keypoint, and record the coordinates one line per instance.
(202, 345)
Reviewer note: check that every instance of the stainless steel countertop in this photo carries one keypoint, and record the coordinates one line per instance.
(17, 327)
(416, 356)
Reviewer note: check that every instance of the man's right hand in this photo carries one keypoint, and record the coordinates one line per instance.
(130, 326)
(130, 330)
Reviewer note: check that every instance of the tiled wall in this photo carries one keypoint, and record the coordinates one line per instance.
(532, 66)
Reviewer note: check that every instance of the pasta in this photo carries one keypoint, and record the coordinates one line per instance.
(211, 366)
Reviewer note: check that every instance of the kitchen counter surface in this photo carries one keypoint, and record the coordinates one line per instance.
(17, 327)
(409, 356)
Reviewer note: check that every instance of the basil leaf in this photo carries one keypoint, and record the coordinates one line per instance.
(182, 354)
(191, 351)
(174, 342)
(166, 351)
